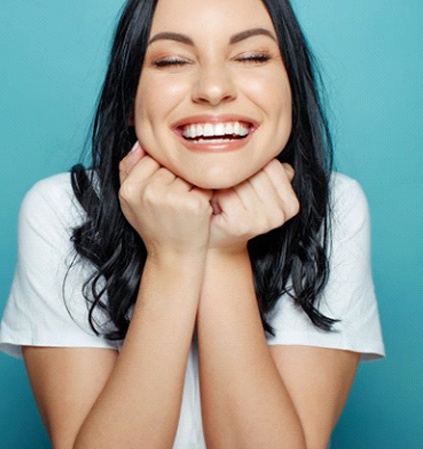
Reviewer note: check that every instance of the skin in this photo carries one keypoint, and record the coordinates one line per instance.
(213, 78)
(199, 209)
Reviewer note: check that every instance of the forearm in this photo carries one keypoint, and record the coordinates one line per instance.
(140, 404)
(245, 403)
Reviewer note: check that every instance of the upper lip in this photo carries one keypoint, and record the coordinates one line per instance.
(224, 118)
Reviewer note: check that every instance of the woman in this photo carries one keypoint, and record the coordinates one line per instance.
(211, 287)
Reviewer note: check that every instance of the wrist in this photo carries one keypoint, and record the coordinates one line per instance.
(177, 261)
(225, 276)
(234, 250)
(177, 280)
(227, 259)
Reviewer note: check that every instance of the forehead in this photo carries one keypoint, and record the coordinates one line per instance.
(210, 19)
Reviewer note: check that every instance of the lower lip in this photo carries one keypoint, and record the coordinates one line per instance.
(215, 147)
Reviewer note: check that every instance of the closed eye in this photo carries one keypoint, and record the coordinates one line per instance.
(254, 58)
(171, 61)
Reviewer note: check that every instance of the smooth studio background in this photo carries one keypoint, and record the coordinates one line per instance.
(52, 58)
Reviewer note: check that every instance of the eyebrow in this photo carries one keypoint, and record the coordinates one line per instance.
(238, 37)
(249, 33)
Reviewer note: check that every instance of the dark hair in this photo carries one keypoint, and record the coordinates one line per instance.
(289, 260)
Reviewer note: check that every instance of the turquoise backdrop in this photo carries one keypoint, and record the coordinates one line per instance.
(52, 58)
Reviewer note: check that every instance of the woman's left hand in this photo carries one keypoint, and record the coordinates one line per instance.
(256, 206)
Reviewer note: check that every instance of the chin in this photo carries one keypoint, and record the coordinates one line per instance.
(222, 182)
(214, 185)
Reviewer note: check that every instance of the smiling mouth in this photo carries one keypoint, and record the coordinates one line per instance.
(216, 132)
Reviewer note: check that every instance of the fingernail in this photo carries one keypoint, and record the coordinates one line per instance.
(135, 147)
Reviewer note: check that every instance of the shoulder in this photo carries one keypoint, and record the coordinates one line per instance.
(56, 188)
(346, 192)
(349, 206)
(349, 294)
(46, 305)
(52, 201)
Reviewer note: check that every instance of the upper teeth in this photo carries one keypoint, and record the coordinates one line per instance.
(215, 129)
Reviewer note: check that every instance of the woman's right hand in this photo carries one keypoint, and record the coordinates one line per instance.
(168, 213)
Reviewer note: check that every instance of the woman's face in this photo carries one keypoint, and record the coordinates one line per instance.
(213, 103)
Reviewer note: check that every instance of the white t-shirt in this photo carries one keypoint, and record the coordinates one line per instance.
(37, 313)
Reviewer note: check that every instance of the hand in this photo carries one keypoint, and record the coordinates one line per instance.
(254, 207)
(168, 213)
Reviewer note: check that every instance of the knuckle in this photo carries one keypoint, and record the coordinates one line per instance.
(276, 163)
(149, 194)
(196, 205)
(264, 222)
(163, 173)
(122, 164)
(242, 229)
(290, 172)
(297, 207)
(282, 219)
(126, 191)
(294, 207)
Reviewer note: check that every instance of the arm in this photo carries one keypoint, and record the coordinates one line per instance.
(94, 398)
(244, 399)
(98, 399)
(260, 396)
(254, 396)
(318, 381)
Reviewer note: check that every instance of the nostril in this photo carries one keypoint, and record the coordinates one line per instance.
(214, 90)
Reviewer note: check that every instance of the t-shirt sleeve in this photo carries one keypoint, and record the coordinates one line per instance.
(46, 306)
(349, 295)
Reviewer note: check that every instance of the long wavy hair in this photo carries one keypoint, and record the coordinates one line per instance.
(292, 259)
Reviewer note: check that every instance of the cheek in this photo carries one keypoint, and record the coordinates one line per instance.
(281, 104)
(279, 97)
(158, 95)
(272, 94)
(281, 112)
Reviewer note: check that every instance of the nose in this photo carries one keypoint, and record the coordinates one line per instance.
(214, 85)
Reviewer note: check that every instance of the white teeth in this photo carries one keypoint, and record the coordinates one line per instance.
(243, 131)
(229, 129)
(219, 129)
(215, 130)
(208, 130)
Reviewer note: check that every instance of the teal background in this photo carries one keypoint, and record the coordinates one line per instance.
(52, 57)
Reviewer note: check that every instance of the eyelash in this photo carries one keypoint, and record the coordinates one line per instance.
(174, 61)
(170, 62)
(256, 58)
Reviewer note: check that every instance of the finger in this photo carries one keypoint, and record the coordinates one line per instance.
(247, 194)
(165, 177)
(227, 202)
(142, 169)
(131, 159)
(214, 202)
(270, 183)
(290, 172)
(264, 190)
(281, 176)
(180, 184)
(137, 147)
